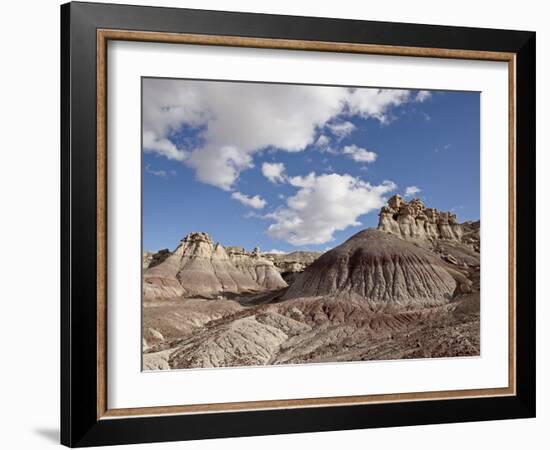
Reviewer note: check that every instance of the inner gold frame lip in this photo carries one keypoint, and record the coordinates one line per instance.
(104, 35)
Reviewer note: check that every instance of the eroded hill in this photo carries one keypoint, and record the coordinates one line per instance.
(409, 289)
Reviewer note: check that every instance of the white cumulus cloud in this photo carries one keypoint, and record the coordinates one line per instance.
(274, 172)
(359, 154)
(376, 102)
(341, 129)
(219, 166)
(411, 190)
(233, 121)
(162, 146)
(255, 202)
(323, 205)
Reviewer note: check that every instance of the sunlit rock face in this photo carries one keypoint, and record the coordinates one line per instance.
(200, 267)
(413, 220)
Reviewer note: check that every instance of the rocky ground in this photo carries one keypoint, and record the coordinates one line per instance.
(407, 290)
(209, 333)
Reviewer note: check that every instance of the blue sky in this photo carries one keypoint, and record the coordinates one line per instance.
(292, 167)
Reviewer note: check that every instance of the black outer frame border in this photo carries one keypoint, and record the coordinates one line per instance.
(79, 425)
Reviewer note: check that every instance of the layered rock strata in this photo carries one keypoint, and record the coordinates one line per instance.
(200, 267)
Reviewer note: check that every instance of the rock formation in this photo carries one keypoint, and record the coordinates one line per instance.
(151, 259)
(259, 268)
(147, 257)
(471, 236)
(409, 289)
(198, 267)
(255, 336)
(292, 262)
(308, 330)
(412, 220)
(378, 267)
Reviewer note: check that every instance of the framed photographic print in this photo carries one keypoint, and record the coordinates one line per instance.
(277, 224)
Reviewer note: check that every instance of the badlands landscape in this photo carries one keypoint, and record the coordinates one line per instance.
(406, 289)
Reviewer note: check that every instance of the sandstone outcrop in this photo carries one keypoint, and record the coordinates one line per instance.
(412, 220)
(200, 267)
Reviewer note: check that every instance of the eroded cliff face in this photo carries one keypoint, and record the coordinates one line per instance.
(200, 267)
(413, 220)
